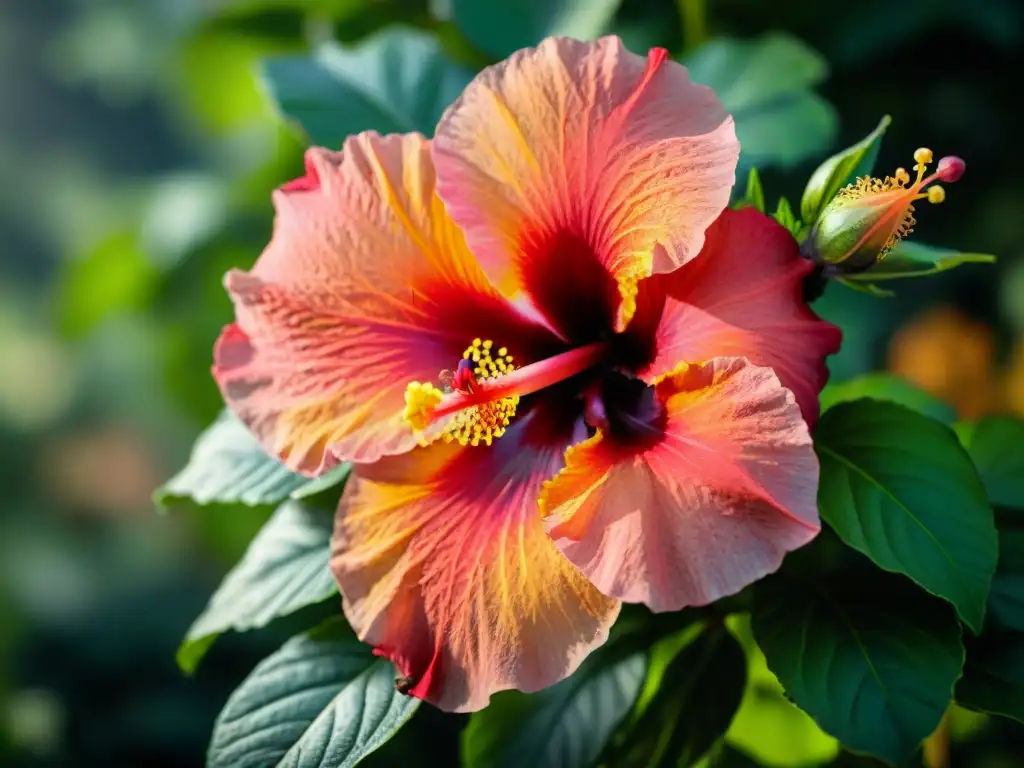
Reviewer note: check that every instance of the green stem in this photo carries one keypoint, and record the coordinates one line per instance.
(694, 14)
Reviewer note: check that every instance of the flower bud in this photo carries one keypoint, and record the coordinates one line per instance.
(866, 219)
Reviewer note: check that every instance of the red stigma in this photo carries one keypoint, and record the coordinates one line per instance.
(950, 168)
(464, 376)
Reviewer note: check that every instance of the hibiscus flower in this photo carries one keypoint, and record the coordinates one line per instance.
(566, 376)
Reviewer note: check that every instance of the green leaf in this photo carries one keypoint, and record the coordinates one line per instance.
(995, 444)
(325, 491)
(228, 466)
(839, 170)
(898, 487)
(116, 276)
(395, 82)
(885, 386)
(912, 259)
(785, 216)
(322, 700)
(769, 727)
(332, 9)
(1006, 600)
(766, 84)
(698, 694)
(286, 567)
(869, 288)
(499, 29)
(993, 679)
(871, 658)
(754, 196)
(564, 726)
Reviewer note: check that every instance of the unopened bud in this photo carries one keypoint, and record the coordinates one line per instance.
(866, 219)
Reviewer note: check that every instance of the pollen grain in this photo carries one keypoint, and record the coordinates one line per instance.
(421, 398)
(483, 422)
(479, 422)
(865, 186)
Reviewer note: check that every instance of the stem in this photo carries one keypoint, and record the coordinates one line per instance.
(695, 23)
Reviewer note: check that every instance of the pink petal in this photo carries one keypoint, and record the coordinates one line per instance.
(584, 166)
(445, 567)
(707, 505)
(743, 297)
(365, 286)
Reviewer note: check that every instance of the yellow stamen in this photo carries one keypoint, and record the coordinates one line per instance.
(480, 423)
(866, 186)
(421, 398)
(486, 421)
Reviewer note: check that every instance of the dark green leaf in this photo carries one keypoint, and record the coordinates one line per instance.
(565, 726)
(866, 654)
(766, 84)
(395, 82)
(996, 444)
(228, 466)
(322, 700)
(839, 170)
(796, 126)
(768, 726)
(885, 386)
(899, 487)
(285, 568)
(993, 679)
(697, 696)
(912, 259)
(502, 28)
(1006, 600)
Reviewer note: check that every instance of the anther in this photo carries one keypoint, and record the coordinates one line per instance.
(477, 423)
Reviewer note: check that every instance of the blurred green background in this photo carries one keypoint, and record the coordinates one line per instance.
(138, 150)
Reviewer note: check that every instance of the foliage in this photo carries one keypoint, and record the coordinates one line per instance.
(841, 169)
(899, 487)
(323, 699)
(395, 82)
(862, 631)
(767, 86)
(911, 597)
(864, 653)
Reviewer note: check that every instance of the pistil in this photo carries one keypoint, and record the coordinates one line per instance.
(482, 410)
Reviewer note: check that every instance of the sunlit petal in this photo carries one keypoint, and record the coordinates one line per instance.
(743, 297)
(695, 507)
(365, 286)
(575, 168)
(445, 567)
